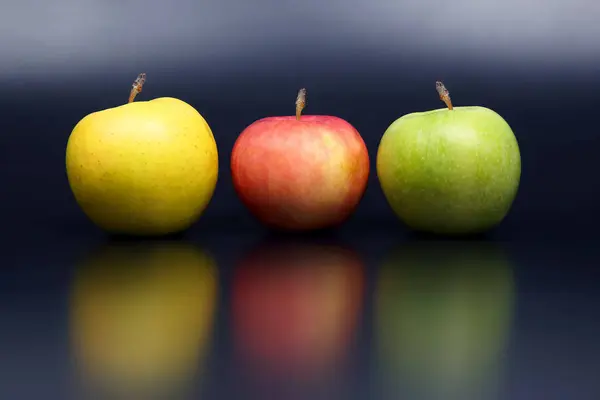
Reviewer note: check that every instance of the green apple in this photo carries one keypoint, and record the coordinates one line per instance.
(443, 313)
(450, 171)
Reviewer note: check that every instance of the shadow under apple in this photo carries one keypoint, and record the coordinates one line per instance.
(135, 239)
(141, 316)
(443, 318)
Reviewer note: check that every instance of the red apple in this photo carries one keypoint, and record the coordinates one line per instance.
(296, 307)
(300, 173)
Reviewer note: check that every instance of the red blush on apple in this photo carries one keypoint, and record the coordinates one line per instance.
(302, 172)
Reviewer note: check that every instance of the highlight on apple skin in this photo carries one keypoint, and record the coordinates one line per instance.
(450, 171)
(145, 168)
(300, 173)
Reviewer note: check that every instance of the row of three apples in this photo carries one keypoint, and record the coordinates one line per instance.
(151, 167)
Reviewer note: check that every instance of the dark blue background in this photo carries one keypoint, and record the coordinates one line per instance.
(368, 63)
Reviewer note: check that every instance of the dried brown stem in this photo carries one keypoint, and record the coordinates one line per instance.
(444, 94)
(300, 103)
(136, 88)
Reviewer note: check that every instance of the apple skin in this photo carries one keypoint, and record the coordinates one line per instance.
(300, 175)
(141, 317)
(443, 316)
(145, 168)
(450, 171)
(295, 308)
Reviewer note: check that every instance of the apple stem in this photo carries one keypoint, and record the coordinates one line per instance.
(300, 103)
(444, 94)
(136, 88)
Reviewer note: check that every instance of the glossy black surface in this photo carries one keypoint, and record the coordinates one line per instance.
(512, 315)
(396, 316)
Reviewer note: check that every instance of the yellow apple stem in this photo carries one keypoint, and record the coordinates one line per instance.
(300, 103)
(136, 88)
(444, 94)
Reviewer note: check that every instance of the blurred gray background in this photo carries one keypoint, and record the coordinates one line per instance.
(535, 62)
(67, 39)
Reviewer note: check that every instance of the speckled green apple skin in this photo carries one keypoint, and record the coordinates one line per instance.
(450, 172)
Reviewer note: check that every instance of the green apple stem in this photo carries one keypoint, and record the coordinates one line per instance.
(444, 94)
(300, 103)
(136, 88)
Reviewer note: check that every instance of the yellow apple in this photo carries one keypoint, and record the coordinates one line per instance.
(443, 315)
(143, 168)
(142, 317)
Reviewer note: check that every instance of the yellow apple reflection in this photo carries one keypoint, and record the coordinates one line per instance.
(443, 316)
(142, 316)
(295, 307)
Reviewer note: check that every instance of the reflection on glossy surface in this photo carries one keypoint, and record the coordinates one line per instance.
(141, 318)
(443, 315)
(295, 308)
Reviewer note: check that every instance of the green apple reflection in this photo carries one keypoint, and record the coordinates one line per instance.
(443, 316)
(141, 318)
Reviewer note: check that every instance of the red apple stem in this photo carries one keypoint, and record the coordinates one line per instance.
(136, 88)
(444, 94)
(300, 103)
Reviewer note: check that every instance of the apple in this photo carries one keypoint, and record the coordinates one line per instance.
(443, 314)
(450, 171)
(306, 172)
(143, 168)
(142, 317)
(295, 307)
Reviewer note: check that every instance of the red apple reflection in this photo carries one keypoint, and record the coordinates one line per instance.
(296, 306)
